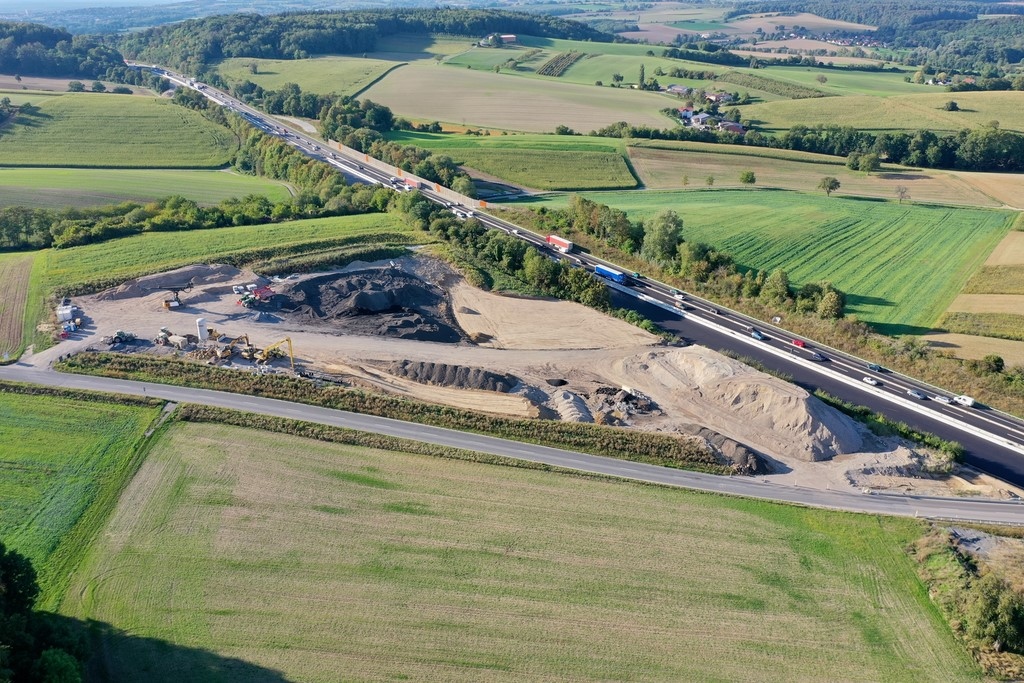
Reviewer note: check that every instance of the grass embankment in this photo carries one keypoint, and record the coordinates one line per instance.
(302, 557)
(543, 162)
(114, 131)
(58, 188)
(900, 265)
(65, 462)
(320, 75)
(96, 266)
(663, 450)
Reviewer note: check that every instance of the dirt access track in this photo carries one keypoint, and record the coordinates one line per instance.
(378, 326)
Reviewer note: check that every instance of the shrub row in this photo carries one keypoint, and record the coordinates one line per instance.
(7, 387)
(613, 442)
(883, 426)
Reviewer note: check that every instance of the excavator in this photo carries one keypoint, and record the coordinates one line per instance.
(228, 350)
(273, 351)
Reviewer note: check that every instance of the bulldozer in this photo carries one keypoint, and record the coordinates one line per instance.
(274, 351)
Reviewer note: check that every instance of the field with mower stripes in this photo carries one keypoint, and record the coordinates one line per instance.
(900, 266)
(325, 561)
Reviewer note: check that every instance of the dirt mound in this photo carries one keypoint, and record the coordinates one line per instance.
(200, 274)
(571, 408)
(377, 301)
(728, 452)
(445, 375)
(734, 398)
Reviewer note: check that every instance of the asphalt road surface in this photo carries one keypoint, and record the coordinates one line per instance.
(978, 510)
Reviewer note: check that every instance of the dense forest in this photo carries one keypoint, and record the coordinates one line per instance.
(35, 50)
(193, 45)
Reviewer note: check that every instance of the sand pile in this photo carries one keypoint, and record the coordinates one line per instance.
(442, 374)
(200, 275)
(377, 301)
(735, 399)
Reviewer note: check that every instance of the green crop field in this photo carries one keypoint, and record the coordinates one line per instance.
(698, 26)
(900, 265)
(906, 112)
(61, 187)
(114, 131)
(64, 463)
(546, 162)
(662, 167)
(475, 97)
(156, 251)
(321, 75)
(323, 561)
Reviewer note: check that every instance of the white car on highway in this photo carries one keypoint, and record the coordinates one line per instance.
(870, 380)
(942, 399)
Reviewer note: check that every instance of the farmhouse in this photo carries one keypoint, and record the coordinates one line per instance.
(680, 90)
(731, 127)
(719, 97)
(686, 113)
(701, 119)
(508, 38)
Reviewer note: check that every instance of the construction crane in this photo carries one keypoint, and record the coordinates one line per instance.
(175, 290)
(272, 352)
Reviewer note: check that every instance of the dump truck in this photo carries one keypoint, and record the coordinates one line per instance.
(610, 274)
(560, 243)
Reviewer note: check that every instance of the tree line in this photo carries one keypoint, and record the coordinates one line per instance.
(191, 46)
(36, 50)
(981, 149)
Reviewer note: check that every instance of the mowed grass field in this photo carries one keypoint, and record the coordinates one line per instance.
(64, 463)
(15, 274)
(544, 162)
(900, 265)
(328, 562)
(156, 251)
(440, 92)
(63, 187)
(321, 75)
(904, 112)
(114, 131)
(664, 167)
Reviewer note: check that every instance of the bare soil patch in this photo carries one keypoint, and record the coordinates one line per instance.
(1009, 252)
(511, 322)
(975, 347)
(1007, 188)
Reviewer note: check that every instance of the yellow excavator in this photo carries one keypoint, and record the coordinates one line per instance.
(225, 352)
(273, 351)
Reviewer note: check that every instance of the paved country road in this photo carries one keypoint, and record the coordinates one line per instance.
(979, 510)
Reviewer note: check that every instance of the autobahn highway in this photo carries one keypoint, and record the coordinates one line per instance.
(994, 441)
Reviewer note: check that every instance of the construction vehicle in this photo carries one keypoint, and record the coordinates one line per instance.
(175, 290)
(256, 295)
(228, 350)
(119, 337)
(274, 351)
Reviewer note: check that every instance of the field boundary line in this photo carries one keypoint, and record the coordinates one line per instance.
(378, 79)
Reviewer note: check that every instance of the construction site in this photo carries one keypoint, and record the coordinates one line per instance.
(414, 328)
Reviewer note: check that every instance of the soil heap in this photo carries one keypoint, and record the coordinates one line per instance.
(442, 374)
(379, 301)
(198, 274)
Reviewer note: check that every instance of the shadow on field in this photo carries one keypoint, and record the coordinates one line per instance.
(120, 656)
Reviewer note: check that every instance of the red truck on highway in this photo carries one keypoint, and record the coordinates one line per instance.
(559, 243)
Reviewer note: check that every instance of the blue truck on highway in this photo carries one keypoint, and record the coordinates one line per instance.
(611, 274)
